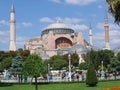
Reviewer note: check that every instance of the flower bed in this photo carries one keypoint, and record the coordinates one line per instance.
(113, 88)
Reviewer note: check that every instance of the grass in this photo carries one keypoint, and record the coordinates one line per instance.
(61, 86)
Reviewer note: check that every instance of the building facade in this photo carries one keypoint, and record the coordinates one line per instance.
(56, 39)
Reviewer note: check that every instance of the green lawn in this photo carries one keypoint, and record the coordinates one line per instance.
(62, 86)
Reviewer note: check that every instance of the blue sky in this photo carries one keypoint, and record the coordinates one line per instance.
(32, 16)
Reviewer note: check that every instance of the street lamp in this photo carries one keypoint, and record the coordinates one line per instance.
(69, 57)
(48, 68)
(102, 65)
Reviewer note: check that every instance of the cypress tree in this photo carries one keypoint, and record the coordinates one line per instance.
(91, 78)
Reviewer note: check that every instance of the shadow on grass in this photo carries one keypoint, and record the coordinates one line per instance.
(5, 84)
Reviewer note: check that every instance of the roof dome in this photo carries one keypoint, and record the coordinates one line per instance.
(78, 48)
(58, 28)
(58, 24)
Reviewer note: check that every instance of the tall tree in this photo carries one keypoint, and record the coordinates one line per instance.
(114, 9)
(91, 78)
(105, 56)
(91, 57)
(17, 65)
(34, 67)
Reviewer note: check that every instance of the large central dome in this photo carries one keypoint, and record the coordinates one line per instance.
(58, 28)
(58, 24)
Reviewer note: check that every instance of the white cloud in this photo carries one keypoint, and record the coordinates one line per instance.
(100, 26)
(65, 20)
(20, 41)
(79, 27)
(80, 2)
(115, 33)
(114, 38)
(111, 26)
(4, 23)
(4, 33)
(56, 1)
(75, 2)
(4, 36)
(27, 24)
(114, 27)
(46, 19)
(23, 25)
(72, 22)
(4, 40)
(100, 6)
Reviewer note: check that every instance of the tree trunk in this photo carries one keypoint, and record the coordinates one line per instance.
(36, 86)
(31, 80)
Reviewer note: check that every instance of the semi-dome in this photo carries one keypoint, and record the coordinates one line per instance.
(58, 28)
(78, 48)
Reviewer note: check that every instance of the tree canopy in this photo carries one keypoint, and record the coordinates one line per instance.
(57, 62)
(33, 66)
(17, 65)
(114, 9)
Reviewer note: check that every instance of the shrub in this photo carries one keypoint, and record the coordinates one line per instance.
(91, 78)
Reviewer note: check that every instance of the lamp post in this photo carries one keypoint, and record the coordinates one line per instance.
(102, 65)
(48, 68)
(69, 57)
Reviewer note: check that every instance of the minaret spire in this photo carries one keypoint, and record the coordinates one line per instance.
(106, 27)
(12, 8)
(90, 35)
(12, 30)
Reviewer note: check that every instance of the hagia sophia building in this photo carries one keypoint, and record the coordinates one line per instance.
(57, 39)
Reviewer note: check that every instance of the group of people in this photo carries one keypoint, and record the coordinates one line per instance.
(104, 75)
(66, 76)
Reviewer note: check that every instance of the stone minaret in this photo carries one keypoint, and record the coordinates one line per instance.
(90, 35)
(106, 27)
(12, 30)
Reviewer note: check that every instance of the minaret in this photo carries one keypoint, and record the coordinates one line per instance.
(90, 35)
(12, 30)
(106, 27)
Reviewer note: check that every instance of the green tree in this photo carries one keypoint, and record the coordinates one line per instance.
(118, 56)
(91, 78)
(57, 62)
(83, 66)
(91, 56)
(6, 63)
(34, 67)
(114, 9)
(16, 66)
(1, 55)
(105, 56)
(74, 59)
(23, 53)
(114, 65)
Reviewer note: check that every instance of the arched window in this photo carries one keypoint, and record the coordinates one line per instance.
(62, 42)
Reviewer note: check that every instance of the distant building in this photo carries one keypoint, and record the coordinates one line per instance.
(57, 39)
